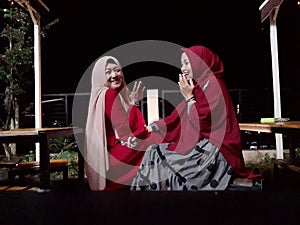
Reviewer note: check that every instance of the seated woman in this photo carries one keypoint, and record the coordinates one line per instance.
(201, 149)
(114, 129)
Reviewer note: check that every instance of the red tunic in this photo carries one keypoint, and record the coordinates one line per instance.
(124, 161)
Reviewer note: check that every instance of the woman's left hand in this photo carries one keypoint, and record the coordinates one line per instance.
(137, 92)
(186, 86)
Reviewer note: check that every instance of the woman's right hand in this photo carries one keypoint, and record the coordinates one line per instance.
(186, 86)
(149, 129)
(132, 142)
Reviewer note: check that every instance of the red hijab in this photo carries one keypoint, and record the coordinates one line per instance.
(213, 116)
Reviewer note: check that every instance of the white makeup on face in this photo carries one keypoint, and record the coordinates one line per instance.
(114, 75)
(186, 68)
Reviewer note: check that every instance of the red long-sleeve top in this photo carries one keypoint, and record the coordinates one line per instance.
(124, 161)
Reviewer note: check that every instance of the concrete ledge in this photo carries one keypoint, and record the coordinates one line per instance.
(258, 156)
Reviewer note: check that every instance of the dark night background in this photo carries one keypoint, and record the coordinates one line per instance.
(231, 28)
(87, 29)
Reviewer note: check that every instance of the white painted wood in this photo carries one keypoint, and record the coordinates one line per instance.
(152, 105)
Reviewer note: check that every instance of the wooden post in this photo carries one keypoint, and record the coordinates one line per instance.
(269, 8)
(276, 80)
(152, 105)
(35, 16)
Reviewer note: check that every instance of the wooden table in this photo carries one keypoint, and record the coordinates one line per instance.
(290, 128)
(279, 127)
(42, 136)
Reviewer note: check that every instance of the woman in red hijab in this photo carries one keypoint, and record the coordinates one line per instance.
(202, 148)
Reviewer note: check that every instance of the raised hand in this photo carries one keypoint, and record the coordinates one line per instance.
(186, 86)
(137, 92)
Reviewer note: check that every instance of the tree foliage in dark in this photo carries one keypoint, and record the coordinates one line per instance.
(16, 64)
(16, 67)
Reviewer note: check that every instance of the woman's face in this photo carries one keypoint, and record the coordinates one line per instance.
(114, 76)
(186, 68)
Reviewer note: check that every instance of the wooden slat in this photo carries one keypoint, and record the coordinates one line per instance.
(53, 163)
(280, 162)
(294, 168)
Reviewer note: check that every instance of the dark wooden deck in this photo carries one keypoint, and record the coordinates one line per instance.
(71, 202)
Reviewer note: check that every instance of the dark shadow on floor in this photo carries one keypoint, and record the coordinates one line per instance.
(73, 203)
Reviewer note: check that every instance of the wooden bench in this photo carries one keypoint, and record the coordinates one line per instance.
(291, 129)
(286, 164)
(24, 168)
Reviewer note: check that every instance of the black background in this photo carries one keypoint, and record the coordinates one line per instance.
(231, 28)
(87, 29)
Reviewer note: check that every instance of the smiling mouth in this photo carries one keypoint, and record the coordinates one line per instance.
(116, 79)
(116, 82)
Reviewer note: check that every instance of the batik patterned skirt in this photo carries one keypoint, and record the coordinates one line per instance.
(203, 168)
